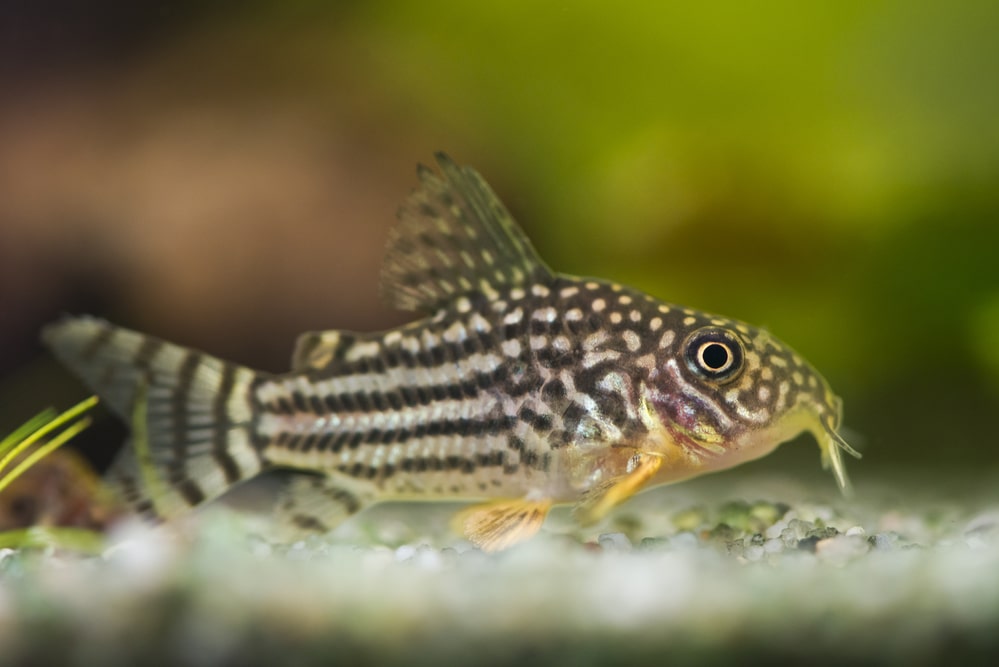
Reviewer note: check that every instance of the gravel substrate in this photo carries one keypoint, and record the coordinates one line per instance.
(694, 574)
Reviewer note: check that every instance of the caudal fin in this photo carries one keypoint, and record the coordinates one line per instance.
(196, 432)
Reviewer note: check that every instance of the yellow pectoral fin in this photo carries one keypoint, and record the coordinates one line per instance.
(500, 524)
(599, 501)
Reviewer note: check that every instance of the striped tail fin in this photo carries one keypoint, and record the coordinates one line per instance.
(197, 437)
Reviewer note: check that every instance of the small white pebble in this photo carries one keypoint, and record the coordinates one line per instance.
(855, 531)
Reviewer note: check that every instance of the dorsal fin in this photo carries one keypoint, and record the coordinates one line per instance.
(454, 237)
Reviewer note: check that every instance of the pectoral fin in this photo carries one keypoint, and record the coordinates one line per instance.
(500, 524)
(642, 467)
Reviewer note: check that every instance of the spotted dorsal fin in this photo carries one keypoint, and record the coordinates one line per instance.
(454, 237)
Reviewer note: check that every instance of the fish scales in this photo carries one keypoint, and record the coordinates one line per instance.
(522, 387)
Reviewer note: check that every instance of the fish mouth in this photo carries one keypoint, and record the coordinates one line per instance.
(822, 426)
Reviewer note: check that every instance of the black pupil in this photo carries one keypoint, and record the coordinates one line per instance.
(715, 356)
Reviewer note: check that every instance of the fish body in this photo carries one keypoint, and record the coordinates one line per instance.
(521, 387)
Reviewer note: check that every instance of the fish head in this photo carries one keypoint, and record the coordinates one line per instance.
(726, 392)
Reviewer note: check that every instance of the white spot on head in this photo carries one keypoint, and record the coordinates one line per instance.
(687, 321)
(777, 361)
(488, 257)
(591, 359)
(540, 290)
(616, 287)
(634, 316)
(614, 382)
(742, 328)
(592, 285)
(688, 311)
(624, 299)
(598, 305)
(616, 318)
(544, 314)
(463, 304)
(812, 382)
(798, 378)
(499, 305)
(539, 342)
(767, 373)
(668, 337)
(574, 315)
(763, 393)
(631, 340)
(567, 292)
(517, 293)
(561, 343)
(648, 362)
(663, 308)
(594, 340)
(718, 322)
(467, 258)
(655, 323)
(782, 390)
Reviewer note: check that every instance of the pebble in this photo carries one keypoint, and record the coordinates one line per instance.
(690, 518)
(776, 529)
(405, 552)
(614, 542)
(654, 544)
(684, 540)
(841, 548)
(773, 545)
(888, 541)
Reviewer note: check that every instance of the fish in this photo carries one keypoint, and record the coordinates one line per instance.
(517, 389)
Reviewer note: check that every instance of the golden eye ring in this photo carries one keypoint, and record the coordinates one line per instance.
(715, 354)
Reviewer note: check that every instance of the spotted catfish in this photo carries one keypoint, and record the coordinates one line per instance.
(521, 388)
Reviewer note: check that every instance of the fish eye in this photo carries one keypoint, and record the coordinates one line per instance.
(714, 354)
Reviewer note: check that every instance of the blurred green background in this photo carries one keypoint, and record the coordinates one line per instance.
(224, 175)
